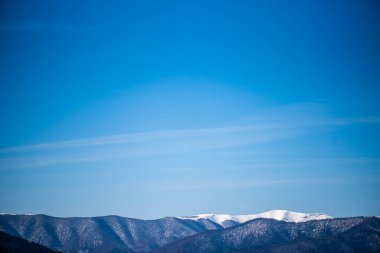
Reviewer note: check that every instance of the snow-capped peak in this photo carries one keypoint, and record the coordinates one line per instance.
(282, 215)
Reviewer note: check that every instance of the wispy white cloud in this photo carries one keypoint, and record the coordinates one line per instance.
(138, 145)
(276, 124)
(268, 125)
(126, 138)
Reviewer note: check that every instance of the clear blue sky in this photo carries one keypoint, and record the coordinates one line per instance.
(158, 108)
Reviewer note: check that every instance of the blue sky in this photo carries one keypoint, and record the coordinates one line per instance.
(149, 109)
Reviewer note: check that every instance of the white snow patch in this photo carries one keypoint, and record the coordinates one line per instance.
(281, 215)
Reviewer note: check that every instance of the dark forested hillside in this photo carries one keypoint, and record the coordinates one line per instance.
(11, 244)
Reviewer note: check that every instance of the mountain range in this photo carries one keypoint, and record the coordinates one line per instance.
(175, 234)
(358, 234)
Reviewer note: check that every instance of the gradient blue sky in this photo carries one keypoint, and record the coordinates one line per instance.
(158, 108)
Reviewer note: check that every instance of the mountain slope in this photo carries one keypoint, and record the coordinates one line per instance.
(119, 234)
(267, 235)
(11, 244)
(226, 220)
(101, 234)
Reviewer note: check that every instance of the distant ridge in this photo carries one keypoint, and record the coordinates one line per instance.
(113, 233)
(339, 235)
(101, 234)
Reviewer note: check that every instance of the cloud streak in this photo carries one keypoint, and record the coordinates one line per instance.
(273, 125)
(138, 145)
(126, 138)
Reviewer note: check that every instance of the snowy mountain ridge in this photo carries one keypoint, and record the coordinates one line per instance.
(280, 215)
(112, 233)
(340, 235)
